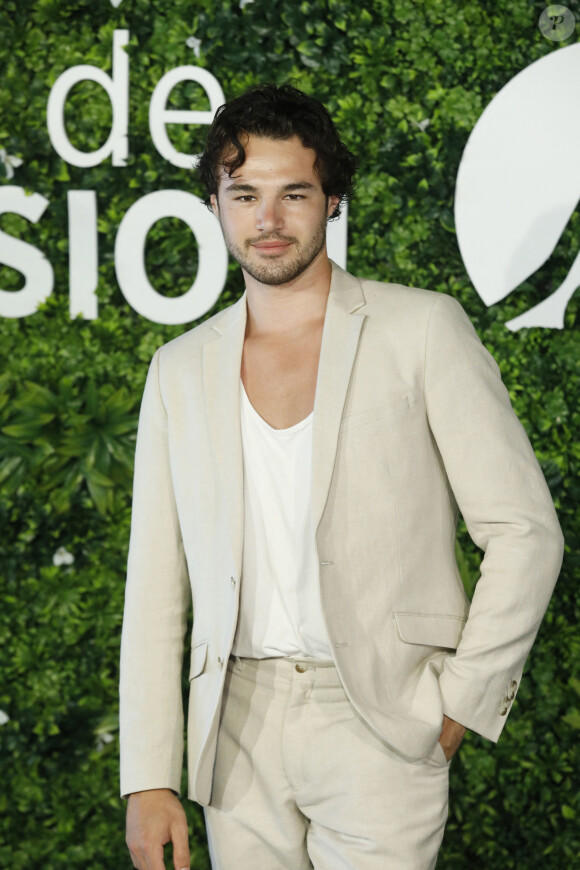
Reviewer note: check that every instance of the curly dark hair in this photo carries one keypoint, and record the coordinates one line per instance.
(278, 112)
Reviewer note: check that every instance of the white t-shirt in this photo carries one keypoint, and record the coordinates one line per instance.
(280, 611)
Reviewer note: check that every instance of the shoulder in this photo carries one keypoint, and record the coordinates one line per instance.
(385, 298)
(391, 299)
(428, 320)
(398, 308)
(190, 345)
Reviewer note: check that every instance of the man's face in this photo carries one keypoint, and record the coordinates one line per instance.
(273, 210)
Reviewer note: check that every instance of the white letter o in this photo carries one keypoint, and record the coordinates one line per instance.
(130, 257)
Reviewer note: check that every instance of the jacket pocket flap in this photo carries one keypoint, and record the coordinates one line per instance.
(198, 657)
(430, 629)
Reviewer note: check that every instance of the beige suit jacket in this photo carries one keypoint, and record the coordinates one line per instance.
(411, 424)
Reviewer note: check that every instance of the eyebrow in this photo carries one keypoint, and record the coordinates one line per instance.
(287, 188)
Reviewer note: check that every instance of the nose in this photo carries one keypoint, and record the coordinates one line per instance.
(269, 217)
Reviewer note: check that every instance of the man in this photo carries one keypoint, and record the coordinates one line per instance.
(301, 460)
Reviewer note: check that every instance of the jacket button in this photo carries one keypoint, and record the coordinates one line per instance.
(301, 669)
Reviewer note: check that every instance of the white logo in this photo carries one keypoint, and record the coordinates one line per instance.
(519, 183)
(557, 23)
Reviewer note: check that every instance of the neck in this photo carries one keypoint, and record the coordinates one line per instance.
(286, 307)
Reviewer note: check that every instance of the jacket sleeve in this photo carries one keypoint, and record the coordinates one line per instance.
(156, 606)
(508, 511)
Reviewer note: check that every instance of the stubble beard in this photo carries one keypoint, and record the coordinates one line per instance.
(277, 269)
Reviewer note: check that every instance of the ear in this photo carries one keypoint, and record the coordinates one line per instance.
(333, 201)
(213, 200)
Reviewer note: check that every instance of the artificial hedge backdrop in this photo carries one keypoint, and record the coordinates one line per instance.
(70, 389)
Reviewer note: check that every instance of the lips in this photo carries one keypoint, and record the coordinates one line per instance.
(271, 247)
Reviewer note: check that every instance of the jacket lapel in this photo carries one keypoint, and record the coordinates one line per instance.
(222, 362)
(221, 370)
(340, 337)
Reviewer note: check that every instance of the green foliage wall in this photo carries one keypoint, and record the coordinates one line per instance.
(70, 390)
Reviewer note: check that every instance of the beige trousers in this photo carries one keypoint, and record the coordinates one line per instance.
(301, 782)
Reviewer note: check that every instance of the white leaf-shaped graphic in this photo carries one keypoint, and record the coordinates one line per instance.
(116, 3)
(519, 182)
